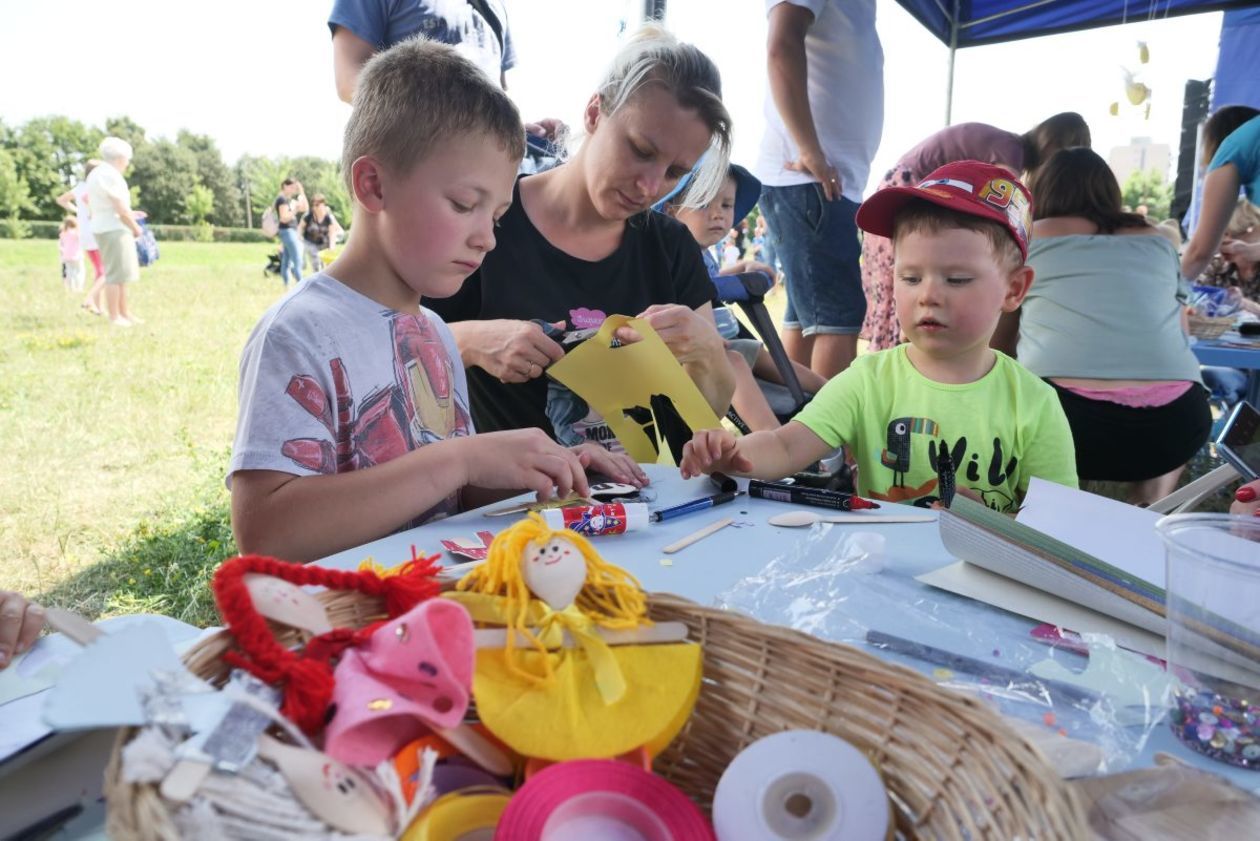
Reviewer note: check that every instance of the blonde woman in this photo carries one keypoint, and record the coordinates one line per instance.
(580, 243)
(114, 227)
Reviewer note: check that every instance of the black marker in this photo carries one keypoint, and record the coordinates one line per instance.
(802, 495)
(945, 475)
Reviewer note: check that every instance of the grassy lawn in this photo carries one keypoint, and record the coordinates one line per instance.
(113, 501)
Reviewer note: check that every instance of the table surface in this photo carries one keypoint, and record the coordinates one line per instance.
(1227, 351)
(722, 564)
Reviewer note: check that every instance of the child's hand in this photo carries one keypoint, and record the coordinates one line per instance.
(617, 466)
(20, 624)
(755, 266)
(713, 451)
(525, 459)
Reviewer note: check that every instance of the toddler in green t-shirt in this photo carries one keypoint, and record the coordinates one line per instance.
(960, 239)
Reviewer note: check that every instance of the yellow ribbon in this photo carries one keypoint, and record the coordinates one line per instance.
(551, 625)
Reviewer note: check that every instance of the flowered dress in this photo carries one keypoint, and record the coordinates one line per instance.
(880, 327)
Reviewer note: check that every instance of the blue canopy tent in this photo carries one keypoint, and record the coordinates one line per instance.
(1237, 80)
(972, 23)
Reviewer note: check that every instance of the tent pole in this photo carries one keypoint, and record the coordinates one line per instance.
(949, 79)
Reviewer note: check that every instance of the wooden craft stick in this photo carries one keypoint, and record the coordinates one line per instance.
(659, 632)
(72, 625)
(479, 749)
(697, 536)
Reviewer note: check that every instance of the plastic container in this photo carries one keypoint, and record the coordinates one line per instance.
(1213, 609)
(595, 520)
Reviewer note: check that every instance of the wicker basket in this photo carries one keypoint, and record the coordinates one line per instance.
(952, 768)
(1202, 327)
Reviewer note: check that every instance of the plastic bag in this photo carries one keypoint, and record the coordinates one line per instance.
(1215, 301)
(833, 584)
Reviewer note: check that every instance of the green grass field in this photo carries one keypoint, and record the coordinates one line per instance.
(114, 500)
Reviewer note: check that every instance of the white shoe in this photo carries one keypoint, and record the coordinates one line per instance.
(121, 322)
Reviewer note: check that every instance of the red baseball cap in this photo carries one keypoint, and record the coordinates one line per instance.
(970, 187)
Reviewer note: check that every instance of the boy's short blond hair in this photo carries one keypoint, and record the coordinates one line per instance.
(924, 216)
(417, 94)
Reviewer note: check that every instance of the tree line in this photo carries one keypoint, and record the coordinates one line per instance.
(184, 181)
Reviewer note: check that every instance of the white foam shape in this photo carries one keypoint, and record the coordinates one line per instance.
(103, 686)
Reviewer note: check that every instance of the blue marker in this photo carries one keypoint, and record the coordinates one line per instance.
(695, 505)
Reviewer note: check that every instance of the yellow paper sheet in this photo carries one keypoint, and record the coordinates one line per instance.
(620, 383)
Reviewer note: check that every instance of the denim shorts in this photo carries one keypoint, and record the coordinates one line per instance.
(817, 244)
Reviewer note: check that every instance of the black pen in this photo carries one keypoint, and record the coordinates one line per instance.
(945, 476)
(978, 668)
(693, 506)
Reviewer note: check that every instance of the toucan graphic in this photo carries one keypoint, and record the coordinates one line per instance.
(897, 457)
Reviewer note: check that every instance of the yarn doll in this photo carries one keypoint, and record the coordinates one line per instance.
(574, 668)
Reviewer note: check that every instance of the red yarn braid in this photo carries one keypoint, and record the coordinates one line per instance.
(307, 678)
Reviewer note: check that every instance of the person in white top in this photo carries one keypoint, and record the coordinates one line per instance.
(75, 200)
(824, 116)
(114, 227)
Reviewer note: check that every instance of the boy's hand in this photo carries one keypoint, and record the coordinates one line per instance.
(525, 459)
(20, 624)
(713, 451)
(617, 466)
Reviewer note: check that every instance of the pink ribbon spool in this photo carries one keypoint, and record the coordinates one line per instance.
(600, 798)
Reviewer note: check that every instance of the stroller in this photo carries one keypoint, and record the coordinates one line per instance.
(273, 264)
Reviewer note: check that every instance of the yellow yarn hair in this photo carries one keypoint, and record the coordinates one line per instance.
(610, 596)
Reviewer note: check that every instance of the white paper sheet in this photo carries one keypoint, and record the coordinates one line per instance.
(1122, 535)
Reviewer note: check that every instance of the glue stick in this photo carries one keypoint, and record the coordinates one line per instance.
(592, 520)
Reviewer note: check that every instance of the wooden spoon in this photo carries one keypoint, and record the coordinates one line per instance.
(337, 794)
(286, 603)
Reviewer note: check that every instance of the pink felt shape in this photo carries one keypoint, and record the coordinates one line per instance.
(412, 676)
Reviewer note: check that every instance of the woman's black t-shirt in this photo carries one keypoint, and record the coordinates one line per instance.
(316, 232)
(526, 277)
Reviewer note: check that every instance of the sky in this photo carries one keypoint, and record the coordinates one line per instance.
(257, 76)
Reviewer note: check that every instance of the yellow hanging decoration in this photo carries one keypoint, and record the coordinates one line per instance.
(1136, 91)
